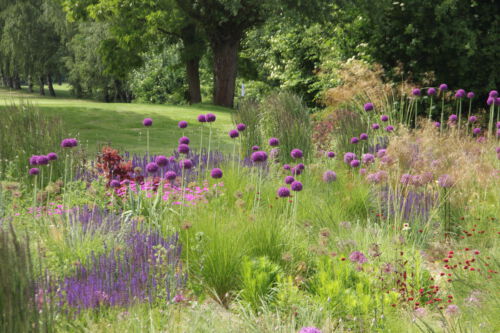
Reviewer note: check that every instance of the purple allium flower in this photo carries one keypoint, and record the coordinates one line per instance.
(234, 134)
(183, 148)
(295, 171)
(186, 164)
(497, 101)
(368, 106)
(274, 153)
(171, 159)
(497, 150)
(179, 298)
(363, 136)
(377, 177)
(490, 100)
(152, 167)
(348, 157)
(114, 183)
(202, 118)
(368, 158)
(210, 117)
(255, 148)
(296, 186)
(470, 95)
(375, 126)
(476, 131)
(452, 309)
(34, 171)
(358, 257)
(147, 122)
(283, 192)
(329, 176)
(446, 181)
(354, 140)
(296, 153)
(170, 175)
(389, 128)
(273, 142)
(330, 154)
(355, 163)
(43, 160)
(431, 91)
(453, 118)
(415, 92)
(498, 124)
(405, 179)
(381, 153)
(437, 124)
(259, 156)
(216, 173)
(161, 160)
(309, 329)
(362, 171)
(493, 94)
(443, 87)
(472, 119)
(286, 167)
(384, 118)
(460, 93)
(289, 180)
(301, 166)
(34, 160)
(182, 124)
(241, 127)
(184, 140)
(52, 156)
(69, 143)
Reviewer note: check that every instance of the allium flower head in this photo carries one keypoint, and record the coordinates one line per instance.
(210, 117)
(286, 167)
(490, 100)
(363, 136)
(358, 257)
(161, 160)
(183, 148)
(202, 118)
(498, 124)
(368, 106)
(34, 160)
(405, 179)
(274, 153)
(241, 127)
(289, 180)
(179, 298)
(69, 143)
(283, 192)
(295, 171)
(259, 156)
(453, 118)
(431, 91)
(330, 154)
(476, 131)
(34, 171)
(384, 118)
(170, 175)
(446, 181)
(354, 140)
(348, 157)
(375, 126)
(362, 171)
(389, 128)
(184, 140)
(296, 186)
(437, 124)
(309, 329)
(329, 176)
(234, 134)
(460, 93)
(43, 160)
(493, 93)
(147, 122)
(152, 167)
(377, 177)
(497, 101)
(301, 166)
(355, 163)
(216, 173)
(415, 92)
(381, 153)
(296, 153)
(472, 119)
(368, 158)
(255, 148)
(52, 156)
(452, 309)
(273, 142)
(114, 183)
(443, 87)
(182, 124)
(186, 164)
(470, 95)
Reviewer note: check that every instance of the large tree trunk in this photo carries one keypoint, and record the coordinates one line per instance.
(30, 84)
(51, 86)
(193, 77)
(17, 82)
(225, 65)
(42, 86)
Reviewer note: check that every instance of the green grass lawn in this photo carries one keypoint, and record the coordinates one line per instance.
(120, 124)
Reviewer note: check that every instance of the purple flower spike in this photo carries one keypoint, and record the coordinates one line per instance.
(363, 136)
(375, 126)
(233, 134)
(34, 171)
(152, 167)
(296, 153)
(296, 186)
(210, 117)
(161, 160)
(358, 257)
(443, 87)
(52, 156)
(354, 140)
(273, 142)
(147, 122)
(431, 91)
(368, 106)
(384, 118)
(202, 118)
(182, 124)
(241, 127)
(216, 173)
(183, 149)
(170, 175)
(283, 192)
(329, 176)
(186, 164)
(184, 140)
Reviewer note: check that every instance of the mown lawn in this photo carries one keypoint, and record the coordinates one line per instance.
(120, 124)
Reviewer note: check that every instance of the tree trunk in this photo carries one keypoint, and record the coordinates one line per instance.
(30, 84)
(193, 77)
(17, 82)
(42, 84)
(51, 86)
(225, 65)
(11, 82)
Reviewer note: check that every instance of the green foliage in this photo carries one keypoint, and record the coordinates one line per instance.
(248, 113)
